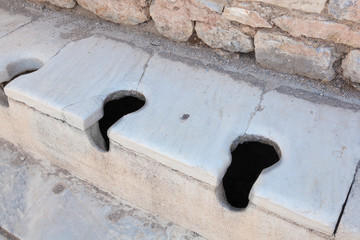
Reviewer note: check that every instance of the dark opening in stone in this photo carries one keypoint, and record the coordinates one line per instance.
(248, 160)
(116, 109)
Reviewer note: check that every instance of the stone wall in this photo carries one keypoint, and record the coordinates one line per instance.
(305, 37)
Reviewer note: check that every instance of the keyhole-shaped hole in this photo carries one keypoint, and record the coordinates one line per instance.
(248, 160)
(3, 98)
(15, 70)
(116, 109)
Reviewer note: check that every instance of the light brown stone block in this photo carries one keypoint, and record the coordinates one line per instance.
(129, 12)
(351, 66)
(246, 17)
(175, 19)
(231, 39)
(286, 55)
(326, 30)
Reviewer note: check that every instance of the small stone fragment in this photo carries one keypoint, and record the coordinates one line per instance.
(286, 55)
(351, 66)
(129, 12)
(213, 5)
(231, 39)
(326, 30)
(59, 3)
(246, 17)
(345, 9)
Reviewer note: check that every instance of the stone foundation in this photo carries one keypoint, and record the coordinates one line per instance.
(294, 36)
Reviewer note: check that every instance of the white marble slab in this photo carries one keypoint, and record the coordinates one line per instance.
(11, 22)
(73, 85)
(31, 46)
(320, 148)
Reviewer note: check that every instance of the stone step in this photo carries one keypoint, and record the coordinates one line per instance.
(169, 155)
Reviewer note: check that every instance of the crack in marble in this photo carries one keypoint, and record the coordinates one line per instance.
(18, 28)
(257, 109)
(144, 70)
(347, 198)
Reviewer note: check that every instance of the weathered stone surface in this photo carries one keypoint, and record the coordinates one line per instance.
(326, 30)
(303, 5)
(246, 17)
(59, 3)
(11, 22)
(290, 56)
(129, 12)
(345, 9)
(213, 5)
(174, 19)
(171, 19)
(231, 39)
(351, 66)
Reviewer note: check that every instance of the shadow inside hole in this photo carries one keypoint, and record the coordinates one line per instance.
(3, 98)
(22, 66)
(248, 160)
(116, 109)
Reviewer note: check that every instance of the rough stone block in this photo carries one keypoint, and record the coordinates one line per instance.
(290, 56)
(129, 12)
(351, 66)
(59, 3)
(345, 9)
(231, 39)
(304, 5)
(246, 17)
(327, 30)
(172, 20)
(175, 19)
